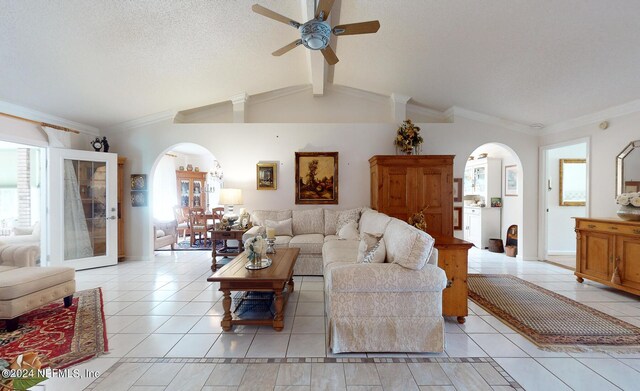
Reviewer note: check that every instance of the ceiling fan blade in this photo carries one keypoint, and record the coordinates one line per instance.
(357, 28)
(324, 6)
(330, 55)
(257, 8)
(286, 48)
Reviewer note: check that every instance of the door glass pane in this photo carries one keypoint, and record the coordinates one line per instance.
(85, 196)
(197, 194)
(481, 179)
(184, 193)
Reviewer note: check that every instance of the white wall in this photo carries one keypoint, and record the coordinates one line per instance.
(561, 237)
(238, 147)
(605, 145)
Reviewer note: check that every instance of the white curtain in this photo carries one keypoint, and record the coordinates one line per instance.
(77, 243)
(164, 189)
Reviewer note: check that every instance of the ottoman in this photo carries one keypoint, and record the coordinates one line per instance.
(23, 289)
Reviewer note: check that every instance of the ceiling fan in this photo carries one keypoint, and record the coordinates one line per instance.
(315, 33)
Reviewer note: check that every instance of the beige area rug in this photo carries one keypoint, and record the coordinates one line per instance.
(551, 321)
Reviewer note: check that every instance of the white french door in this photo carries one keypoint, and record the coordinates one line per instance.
(82, 209)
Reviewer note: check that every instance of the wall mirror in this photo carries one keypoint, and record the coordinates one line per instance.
(628, 169)
(573, 182)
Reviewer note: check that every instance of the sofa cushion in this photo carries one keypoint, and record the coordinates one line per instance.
(330, 220)
(6, 268)
(373, 222)
(346, 216)
(259, 216)
(22, 281)
(308, 243)
(349, 231)
(308, 221)
(282, 241)
(407, 245)
(339, 251)
(331, 237)
(282, 228)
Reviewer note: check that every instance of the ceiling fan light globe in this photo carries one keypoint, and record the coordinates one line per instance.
(315, 34)
(315, 43)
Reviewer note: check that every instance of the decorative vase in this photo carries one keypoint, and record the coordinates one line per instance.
(189, 167)
(629, 213)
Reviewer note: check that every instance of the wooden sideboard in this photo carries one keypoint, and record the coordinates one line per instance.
(453, 259)
(608, 252)
(404, 185)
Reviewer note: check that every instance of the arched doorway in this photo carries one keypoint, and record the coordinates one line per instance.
(183, 177)
(493, 195)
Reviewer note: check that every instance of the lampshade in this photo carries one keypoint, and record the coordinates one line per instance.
(230, 197)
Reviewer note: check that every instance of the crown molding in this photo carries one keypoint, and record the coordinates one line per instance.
(435, 114)
(368, 95)
(143, 121)
(239, 98)
(35, 115)
(597, 117)
(457, 111)
(277, 94)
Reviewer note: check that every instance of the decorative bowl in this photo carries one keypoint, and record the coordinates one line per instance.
(629, 213)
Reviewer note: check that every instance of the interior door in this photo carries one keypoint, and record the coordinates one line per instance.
(82, 210)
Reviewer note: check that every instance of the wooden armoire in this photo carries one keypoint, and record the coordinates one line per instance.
(404, 185)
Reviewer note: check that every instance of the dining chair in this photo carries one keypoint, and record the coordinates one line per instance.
(199, 226)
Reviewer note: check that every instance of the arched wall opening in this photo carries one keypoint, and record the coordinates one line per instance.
(500, 204)
(164, 194)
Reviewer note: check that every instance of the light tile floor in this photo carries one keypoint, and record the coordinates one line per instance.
(165, 308)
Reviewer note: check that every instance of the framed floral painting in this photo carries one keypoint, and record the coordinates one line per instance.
(316, 177)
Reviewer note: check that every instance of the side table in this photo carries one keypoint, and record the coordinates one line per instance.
(453, 258)
(234, 234)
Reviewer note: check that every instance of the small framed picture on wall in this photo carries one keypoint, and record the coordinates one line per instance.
(457, 218)
(457, 189)
(511, 180)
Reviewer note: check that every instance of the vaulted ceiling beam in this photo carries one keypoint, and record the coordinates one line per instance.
(317, 65)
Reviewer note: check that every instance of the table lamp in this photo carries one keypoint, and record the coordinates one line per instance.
(230, 197)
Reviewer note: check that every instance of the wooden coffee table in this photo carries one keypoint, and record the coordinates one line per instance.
(235, 277)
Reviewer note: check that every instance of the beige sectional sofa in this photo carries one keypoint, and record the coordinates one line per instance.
(395, 306)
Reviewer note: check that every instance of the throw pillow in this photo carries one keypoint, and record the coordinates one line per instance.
(283, 228)
(349, 231)
(371, 249)
(160, 233)
(347, 216)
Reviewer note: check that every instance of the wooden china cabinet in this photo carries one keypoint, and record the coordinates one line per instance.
(191, 189)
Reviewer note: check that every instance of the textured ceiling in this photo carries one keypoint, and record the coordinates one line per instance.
(105, 62)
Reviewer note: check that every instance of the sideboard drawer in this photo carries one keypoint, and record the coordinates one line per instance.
(609, 227)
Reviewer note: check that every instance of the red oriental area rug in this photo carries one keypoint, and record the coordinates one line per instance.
(61, 336)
